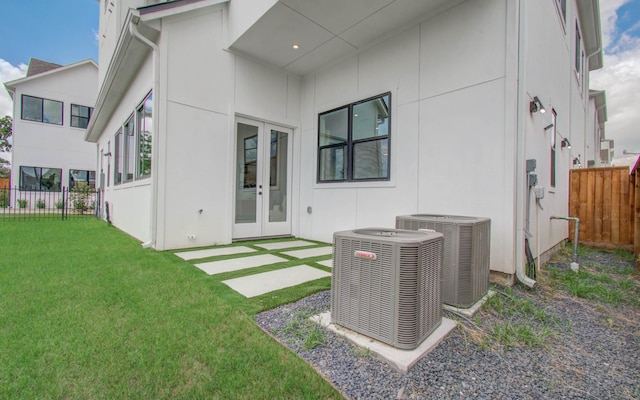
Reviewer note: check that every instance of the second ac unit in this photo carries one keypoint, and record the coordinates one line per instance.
(465, 268)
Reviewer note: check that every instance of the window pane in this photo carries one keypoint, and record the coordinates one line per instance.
(371, 118)
(52, 112)
(32, 108)
(51, 179)
(332, 164)
(334, 127)
(371, 159)
(28, 179)
(145, 127)
(129, 150)
(81, 176)
(118, 159)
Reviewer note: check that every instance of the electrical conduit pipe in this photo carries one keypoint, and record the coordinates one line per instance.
(575, 236)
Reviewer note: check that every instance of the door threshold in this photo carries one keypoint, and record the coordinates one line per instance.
(247, 239)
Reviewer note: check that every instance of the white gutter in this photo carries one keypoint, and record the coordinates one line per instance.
(521, 176)
(153, 228)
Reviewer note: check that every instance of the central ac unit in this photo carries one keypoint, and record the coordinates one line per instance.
(386, 284)
(465, 270)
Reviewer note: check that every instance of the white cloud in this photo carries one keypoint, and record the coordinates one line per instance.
(8, 72)
(620, 77)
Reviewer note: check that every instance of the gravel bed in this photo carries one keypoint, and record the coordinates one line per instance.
(591, 353)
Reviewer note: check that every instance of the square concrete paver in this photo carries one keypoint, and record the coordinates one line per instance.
(284, 245)
(255, 285)
(220, 251)
(306, 253)
(326, 263)
(236, 264)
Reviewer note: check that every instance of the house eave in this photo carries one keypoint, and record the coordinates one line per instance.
(129, 55)
(589, 12)
(12, 85)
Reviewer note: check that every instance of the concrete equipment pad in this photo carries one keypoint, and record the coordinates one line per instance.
(236, 264)
(219, 251)
(314, 252)
(401, 360)
(255, 285)
(471, 311)
(284, 245)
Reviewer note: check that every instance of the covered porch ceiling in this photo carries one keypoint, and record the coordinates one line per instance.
(328, 30)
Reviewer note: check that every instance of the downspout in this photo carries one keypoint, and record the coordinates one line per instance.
(153, 226)
(521, 176)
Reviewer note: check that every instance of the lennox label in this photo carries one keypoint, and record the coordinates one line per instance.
(367, 255)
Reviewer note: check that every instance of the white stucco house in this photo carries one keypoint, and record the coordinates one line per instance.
(52, 106)
(220, 120)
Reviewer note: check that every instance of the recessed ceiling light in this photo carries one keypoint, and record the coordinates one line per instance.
(295, 47)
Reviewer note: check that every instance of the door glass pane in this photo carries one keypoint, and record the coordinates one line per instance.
(246, 172)
(278, 147)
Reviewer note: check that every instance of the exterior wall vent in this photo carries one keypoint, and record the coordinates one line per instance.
(386, 284)
(465, 271)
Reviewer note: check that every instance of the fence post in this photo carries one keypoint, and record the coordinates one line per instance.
(64, 202)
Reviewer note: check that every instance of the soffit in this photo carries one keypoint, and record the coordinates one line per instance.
(328, 30)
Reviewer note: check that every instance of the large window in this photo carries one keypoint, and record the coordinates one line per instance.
(40, 179)
(353, 141)
(41, 110)
(578, 54)
(133, 144)
(80, 116)
(145, 129)
(77, 176)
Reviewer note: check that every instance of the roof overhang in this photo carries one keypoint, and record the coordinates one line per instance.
(589, 12)
(11, 85)
(600, 99)
(129, 55)
(324, 31)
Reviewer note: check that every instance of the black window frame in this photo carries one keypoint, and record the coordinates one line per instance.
(80, 117)
(89, 174)
(144, 141)
(351, 143)
(553, 161)
(40, 177)
(117, 159)
(42, 110)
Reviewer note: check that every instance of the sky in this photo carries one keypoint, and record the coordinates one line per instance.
(65, 31)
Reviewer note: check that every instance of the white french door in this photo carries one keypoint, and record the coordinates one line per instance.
(262, 180)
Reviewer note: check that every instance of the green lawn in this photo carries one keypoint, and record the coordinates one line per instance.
(86, 313)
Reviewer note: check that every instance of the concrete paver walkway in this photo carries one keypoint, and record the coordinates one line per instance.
(255, 285)
(236, 264)
(218, 251)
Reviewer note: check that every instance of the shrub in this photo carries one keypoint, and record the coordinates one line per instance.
(80, 196)
(60, 204)
(40, 203)
(4, 198)
(22, 203)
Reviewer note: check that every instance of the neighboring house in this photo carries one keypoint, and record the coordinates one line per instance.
(599, 150)
(51, 110)
(224, 120)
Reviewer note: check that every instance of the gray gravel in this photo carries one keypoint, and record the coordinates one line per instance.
(592, 353)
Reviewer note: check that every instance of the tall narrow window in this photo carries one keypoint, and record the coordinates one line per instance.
(129, 150)
(578, 53)
(554, 133)
(145, 130)
(250, 161)
(562, 9)
(118, 163)
(353, 141)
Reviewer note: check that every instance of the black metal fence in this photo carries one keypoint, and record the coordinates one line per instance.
(79, 202)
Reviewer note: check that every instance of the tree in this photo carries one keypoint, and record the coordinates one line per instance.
(6, 130)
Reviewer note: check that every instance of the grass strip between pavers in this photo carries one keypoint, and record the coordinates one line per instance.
(85, 312)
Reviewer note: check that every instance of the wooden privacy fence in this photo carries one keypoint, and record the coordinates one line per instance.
(607, 201)
(4, 183)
